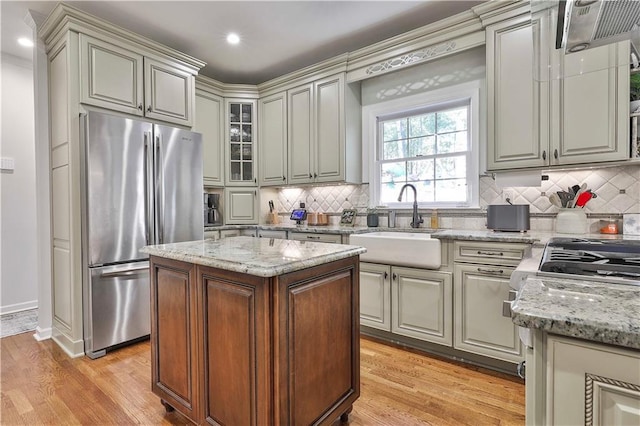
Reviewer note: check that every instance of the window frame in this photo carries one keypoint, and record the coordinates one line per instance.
(421, 102)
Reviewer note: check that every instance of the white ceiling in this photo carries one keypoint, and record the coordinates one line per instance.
(277, 36)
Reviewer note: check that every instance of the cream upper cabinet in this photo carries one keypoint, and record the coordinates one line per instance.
(590, 105)
(273, 139)
(241, 140)
(300, 132)
(210, 122)
(168, 92)
(514, 97)
(324, 128)
(549, 108)
(111, 76)
(121, 79)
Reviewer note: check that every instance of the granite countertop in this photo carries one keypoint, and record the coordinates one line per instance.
(590, 310)
(264, 257)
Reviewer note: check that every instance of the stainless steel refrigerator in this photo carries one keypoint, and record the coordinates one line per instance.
(142, 185)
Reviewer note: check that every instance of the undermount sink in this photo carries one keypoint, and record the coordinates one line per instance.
(399, 248)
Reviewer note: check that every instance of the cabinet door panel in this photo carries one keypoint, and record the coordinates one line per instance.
(593, 120)
(300, 127)
(479, 325)
(174, 350)
(375, 296)
(209, 122)
(273, 140)
(168, 92)
(513, 96)
(329, 129)
(111, 77)
(241, 206)
(422, 304)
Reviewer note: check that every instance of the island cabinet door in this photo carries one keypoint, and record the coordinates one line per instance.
(237, 388)
(316, 343)
(174, 349)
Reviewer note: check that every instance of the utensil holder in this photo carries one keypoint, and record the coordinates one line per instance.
(571, 221)
(273, 218)
(372, 220)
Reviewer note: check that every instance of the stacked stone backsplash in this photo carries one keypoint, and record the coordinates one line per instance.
(617, 189)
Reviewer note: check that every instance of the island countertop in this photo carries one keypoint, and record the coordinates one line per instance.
(263, 257)
(596, 311)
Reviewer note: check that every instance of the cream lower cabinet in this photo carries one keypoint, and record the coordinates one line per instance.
(241, 206)
(210, 123)
(479, 325)
(410, 302)
(590, 383)
(121, 78)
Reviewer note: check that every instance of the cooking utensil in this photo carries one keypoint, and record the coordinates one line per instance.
(582, 189)
(271, 206)
(583, 198)
(555, 200)
(575, 189)
(565, 197)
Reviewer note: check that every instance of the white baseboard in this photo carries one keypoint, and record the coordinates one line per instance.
(17, 307)
(42, 334)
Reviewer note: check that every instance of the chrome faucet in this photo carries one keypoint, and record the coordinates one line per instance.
(417, 219)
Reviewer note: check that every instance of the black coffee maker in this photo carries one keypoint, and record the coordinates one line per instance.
(212, 210)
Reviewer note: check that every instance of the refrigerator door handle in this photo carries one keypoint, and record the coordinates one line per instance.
(148, 205)
(160, 189)
(124, 272)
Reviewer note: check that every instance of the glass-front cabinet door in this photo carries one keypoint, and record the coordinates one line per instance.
(242, 144)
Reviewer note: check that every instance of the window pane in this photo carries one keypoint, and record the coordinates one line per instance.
(452, 142)
(451, 190)
(394, 172)
(422, 125)
(421, 146)
(425, 190)
(389, 192)
(452, 120)
(394, 149)
(451, 167)
(419, 170)
(394, 130)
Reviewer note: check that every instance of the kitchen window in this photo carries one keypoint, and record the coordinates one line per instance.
(429, 140)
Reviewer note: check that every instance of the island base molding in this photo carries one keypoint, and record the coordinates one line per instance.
(232, 348)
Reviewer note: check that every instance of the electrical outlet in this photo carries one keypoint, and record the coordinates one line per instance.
(507, 196)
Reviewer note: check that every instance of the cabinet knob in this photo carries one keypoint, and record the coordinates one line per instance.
(140, 107)
(310, 175)
(394, 276)
(544, 154)
(284, 178)
(555, 153)
(386, 275)
(315, 175)
(149, 108)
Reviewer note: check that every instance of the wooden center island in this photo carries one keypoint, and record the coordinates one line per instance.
(255, 331)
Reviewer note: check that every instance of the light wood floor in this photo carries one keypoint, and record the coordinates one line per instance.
(41, 385)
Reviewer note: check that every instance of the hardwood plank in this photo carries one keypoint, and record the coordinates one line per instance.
(39, 384)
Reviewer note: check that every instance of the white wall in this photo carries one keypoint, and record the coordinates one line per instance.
(18, 254)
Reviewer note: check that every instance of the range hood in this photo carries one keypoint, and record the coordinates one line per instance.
(583, 24)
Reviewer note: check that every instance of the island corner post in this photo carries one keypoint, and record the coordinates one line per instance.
(239, 349)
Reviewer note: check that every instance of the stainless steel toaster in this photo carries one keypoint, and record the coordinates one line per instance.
(508, 217)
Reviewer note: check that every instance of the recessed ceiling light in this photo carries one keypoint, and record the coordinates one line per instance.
(233, 38)
(23, 41)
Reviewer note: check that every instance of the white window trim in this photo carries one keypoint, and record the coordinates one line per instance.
(370, 114)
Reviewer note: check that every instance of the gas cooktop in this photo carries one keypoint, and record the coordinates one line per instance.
(592, 258)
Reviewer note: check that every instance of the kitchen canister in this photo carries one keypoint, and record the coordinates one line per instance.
(571, 221)
(631, 224)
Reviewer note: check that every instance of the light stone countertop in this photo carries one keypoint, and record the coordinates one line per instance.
(264, 257)
(590, 310)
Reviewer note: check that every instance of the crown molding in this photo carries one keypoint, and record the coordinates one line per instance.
(65, 17)
(498, 10)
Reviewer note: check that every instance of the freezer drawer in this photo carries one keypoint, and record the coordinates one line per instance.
(118, 308)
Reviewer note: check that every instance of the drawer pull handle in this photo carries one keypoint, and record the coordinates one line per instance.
(394, 276)
(312, 237)
(386, 275)
(491, 271)
(521, 369)
(490, 253)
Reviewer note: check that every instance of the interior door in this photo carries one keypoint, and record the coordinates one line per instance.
(179, 185)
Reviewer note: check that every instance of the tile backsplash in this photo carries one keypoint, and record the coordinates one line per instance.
(617, 189)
